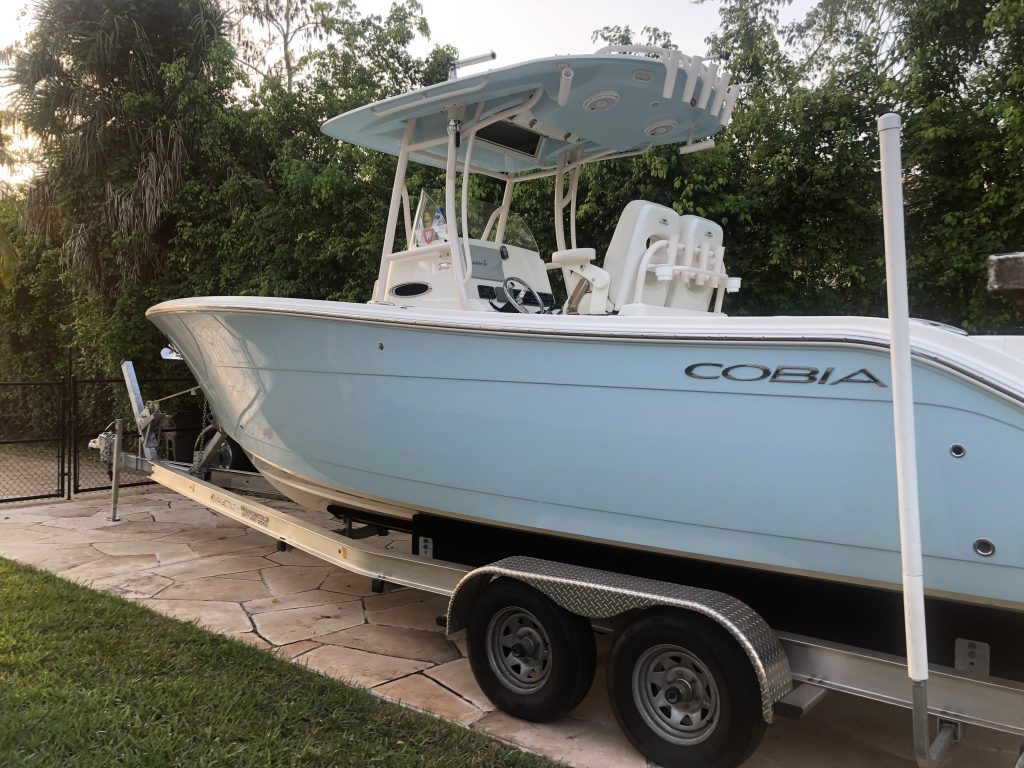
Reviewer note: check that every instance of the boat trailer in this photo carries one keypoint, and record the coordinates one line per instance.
(794, 672)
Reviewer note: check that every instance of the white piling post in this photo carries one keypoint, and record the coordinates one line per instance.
(903, 420)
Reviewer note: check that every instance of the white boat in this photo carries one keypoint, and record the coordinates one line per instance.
(618, 417)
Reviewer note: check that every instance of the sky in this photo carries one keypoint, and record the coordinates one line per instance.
(12, 21)
(519, 30)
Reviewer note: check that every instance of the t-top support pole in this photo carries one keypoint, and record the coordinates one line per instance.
(903, 421)
(380, 289)
(459, 266)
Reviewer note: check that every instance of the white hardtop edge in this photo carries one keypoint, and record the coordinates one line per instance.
(990, 363)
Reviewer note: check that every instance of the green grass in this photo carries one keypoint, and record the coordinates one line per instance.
(88, 680)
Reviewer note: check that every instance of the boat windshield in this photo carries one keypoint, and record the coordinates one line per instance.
(432, 226)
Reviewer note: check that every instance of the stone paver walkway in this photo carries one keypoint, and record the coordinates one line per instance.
(187, 562)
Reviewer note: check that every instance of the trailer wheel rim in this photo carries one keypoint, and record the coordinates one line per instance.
(518, 650)
(676, 694)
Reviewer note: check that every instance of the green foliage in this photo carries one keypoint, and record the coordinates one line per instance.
(8, 259)
(964, 97)
(792, 181)
(109, 88)
(34, 307)
(616, 35)
(806, 149)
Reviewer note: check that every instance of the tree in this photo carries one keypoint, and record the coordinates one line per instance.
(791, 179)
(285, 26)
(963, 95)
(8, 251)
(114, 91)
(802, 173)
(289, 28)
(616, 35)
(35, 307)
(132, 101)
(802, 191)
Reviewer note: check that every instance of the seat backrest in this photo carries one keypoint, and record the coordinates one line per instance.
(640, 224)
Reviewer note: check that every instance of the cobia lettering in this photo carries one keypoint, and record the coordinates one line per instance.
(783, 374)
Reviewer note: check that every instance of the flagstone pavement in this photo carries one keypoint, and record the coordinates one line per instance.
(182, 560)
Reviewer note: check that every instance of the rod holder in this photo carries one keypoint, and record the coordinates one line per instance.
(564, 86)
(453, 66)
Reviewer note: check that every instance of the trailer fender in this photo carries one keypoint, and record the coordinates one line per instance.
(602, 594)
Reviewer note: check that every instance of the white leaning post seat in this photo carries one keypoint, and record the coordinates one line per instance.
(662, 263)
(640, 224)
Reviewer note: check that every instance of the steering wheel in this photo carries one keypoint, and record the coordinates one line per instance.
(517, 301)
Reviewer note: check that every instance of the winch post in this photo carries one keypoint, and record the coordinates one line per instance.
(144, 420)
(134, 394)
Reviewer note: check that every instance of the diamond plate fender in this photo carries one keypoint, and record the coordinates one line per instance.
(602, 594)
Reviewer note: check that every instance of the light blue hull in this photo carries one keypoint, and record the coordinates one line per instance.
(641, 442)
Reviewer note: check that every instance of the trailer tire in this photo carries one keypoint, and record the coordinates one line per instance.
(684, 692)
(534, 659)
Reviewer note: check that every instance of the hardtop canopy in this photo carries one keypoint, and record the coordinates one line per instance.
(602, 104)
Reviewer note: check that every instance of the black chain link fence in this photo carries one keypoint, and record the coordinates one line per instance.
(32, 443)
(46, 426)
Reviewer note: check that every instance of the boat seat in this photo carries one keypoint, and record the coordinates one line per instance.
(640, 224)
(697, 268)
